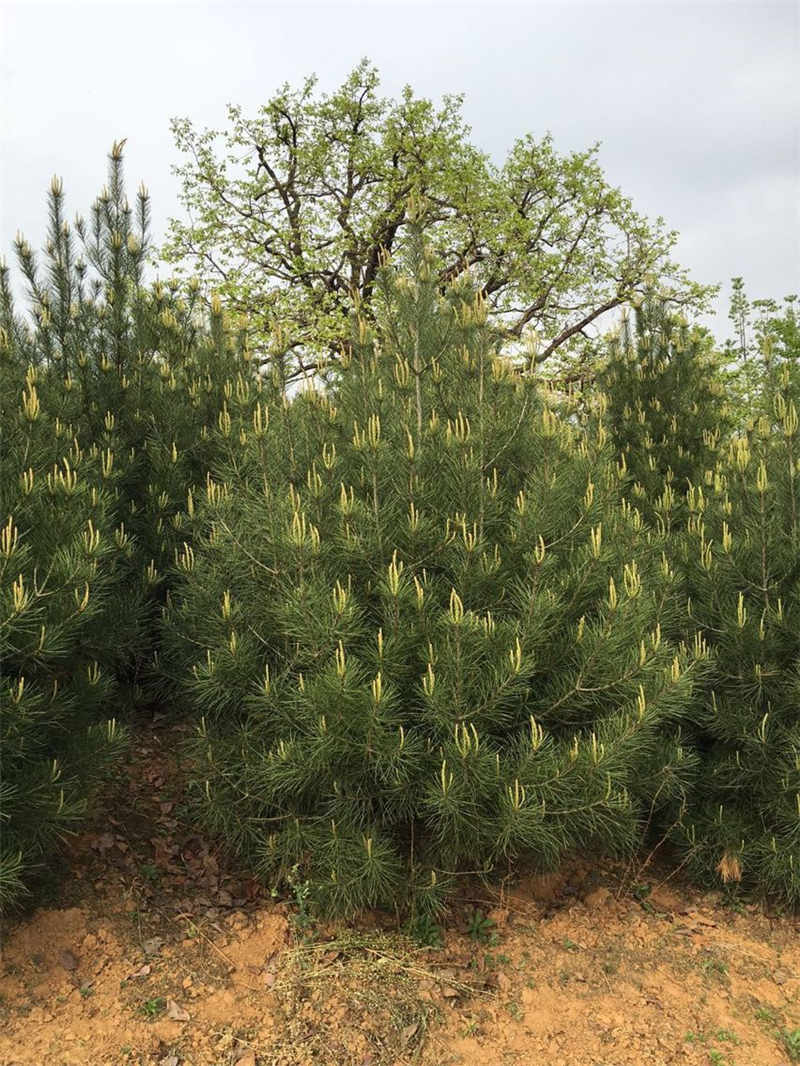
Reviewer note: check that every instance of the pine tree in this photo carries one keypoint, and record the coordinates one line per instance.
(109, 389)
(422, 625)
(741, 555)
(140, 372)
(666, 407)
(60, 567)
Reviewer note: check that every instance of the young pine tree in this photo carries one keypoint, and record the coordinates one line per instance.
(140, 372)
(422, 626)
(61, 562)
(666, 407)
(741, 555)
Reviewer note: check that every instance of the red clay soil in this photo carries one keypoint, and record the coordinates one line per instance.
(158, 954)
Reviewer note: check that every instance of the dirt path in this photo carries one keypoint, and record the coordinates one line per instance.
(157, 953)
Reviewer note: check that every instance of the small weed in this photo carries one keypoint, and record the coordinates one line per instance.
(791, 1041)
(718, 1058)
(515, 1010)
(151, 1008)
(86, 991)
(727, 1036)
(766, 1014)
(149, 872)
(481, 928)
(302, 918)
(641, 891)
(424, 930)
(694, 1038)
(570, 945)
(734, 904)
(712, 966)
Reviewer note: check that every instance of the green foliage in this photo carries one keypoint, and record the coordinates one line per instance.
(290, 211)
(108, 392)
(724, 487)
(766, 337)
(432, 619)
(666, 407)
(61, 566)
(791, 1041)
(741, 555)
(421, 624)
(481, 928)
(141, 376)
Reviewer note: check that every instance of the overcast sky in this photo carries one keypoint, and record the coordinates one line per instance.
(696, 104)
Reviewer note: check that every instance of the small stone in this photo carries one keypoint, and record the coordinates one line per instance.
(67, 961)
(600, 897)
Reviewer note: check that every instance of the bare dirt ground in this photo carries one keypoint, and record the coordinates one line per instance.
(156, 953)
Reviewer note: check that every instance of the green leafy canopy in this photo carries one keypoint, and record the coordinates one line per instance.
(289, 212)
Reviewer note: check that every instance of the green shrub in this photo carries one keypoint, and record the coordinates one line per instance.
(423, 626)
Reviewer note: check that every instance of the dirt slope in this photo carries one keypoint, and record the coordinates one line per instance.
(156, 953)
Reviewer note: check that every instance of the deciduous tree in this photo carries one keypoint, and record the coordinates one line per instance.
(289, 211)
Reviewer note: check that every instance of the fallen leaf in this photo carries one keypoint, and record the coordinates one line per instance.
(176, 1013)
(143, 971)
(409, 1032)
(105, 841)
(169, 1060)
(246, 1057)
(152, 946)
